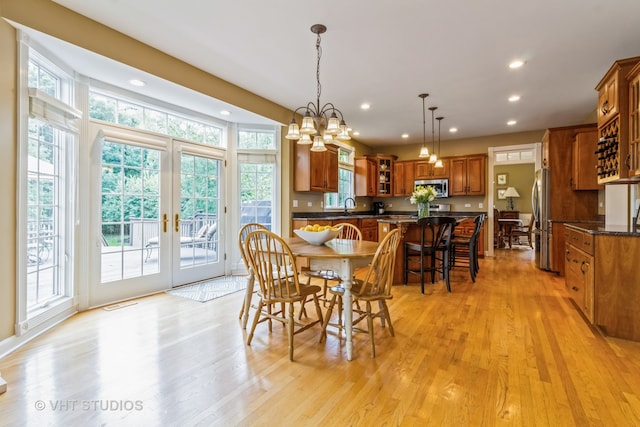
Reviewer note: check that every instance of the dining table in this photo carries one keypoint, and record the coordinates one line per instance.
(342, 256)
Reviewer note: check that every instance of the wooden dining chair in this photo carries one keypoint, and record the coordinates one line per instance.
(523, 231)
(435, 243)
(375, 287)
(246, 303)
(274, 268)
(464, 249)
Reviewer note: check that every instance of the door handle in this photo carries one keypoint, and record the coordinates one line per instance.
(165, 220)
(177, 222)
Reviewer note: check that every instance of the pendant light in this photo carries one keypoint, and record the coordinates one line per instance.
(424, 151)
(439, 161)
(433, 158)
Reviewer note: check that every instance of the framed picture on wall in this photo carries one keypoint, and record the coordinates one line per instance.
(501, 192)
(501, 179)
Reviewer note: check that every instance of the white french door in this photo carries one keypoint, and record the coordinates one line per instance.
(155, 214)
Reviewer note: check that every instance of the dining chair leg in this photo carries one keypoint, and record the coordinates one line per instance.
(290, 324)
(255, 322)
(370, 327)
(422, 272)
(385, 310)
(445, 269)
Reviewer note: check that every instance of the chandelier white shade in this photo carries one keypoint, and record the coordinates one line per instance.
(325, 123)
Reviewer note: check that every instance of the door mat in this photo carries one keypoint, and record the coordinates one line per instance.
(211, 289)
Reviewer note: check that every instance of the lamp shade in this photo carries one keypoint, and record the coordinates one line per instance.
(511, 192)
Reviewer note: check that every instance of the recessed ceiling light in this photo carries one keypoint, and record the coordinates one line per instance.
(516, 64)
(365, 106)
(453, 130)
(405, 135)
(136, 82)
(514, 98)
(356, 133)
(225, 112)
(511, 122)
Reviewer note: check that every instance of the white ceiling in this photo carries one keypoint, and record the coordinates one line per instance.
(386, 53)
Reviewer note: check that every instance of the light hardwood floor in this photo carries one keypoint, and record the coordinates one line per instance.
(510, 349)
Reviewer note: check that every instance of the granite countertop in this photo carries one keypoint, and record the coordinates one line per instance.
(602, 229)
(388, 216)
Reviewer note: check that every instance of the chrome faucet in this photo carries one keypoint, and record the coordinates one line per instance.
(345, 203)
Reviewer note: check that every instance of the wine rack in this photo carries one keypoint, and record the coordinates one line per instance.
(609, 153)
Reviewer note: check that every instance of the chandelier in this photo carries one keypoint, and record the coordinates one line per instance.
(324, 123)
(424, 151)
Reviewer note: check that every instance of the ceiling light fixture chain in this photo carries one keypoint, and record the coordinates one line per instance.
(321, 122)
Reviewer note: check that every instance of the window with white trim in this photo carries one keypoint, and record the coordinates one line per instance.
(47, 175)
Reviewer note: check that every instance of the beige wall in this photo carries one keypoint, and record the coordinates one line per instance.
(7, 180)
(519, 177)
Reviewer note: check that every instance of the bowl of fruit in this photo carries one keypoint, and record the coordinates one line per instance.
(317, 234)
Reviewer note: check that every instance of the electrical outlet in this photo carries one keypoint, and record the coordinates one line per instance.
(364, 205)
(322, 204)
(390, 205)
(600, 204)
(309, 204)
(295, 203)
(467, 205)
(480, 205)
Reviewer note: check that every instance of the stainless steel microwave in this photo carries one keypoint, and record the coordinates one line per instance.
(441, 186)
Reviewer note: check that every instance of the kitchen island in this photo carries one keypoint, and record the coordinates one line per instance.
(603, 278)
(410, 231)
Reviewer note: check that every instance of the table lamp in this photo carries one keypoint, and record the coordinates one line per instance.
(510, 194)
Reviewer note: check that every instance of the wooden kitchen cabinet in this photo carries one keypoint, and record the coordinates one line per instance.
(579, 271)
(634, 121)
(584, 161)
(467, 176)
(369, 229)
(316, 170)
(375, 171)
(426, 170)
(613, 122)
(403, 178)
(602, 278)
(385, 175)
(365, 177)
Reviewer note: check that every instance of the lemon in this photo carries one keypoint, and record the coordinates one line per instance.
(316, 227)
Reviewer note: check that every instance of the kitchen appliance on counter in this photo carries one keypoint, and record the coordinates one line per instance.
(441, 186)
(378, 208)
(540, 209)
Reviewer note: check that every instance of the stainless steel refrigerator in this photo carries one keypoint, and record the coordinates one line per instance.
(540, 209)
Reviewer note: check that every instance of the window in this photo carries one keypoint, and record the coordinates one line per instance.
(345, 180)
(135, 115)
(46, 191)
(257, 176)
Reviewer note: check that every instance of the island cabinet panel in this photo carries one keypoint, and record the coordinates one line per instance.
(603, 279)
(617, 286)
